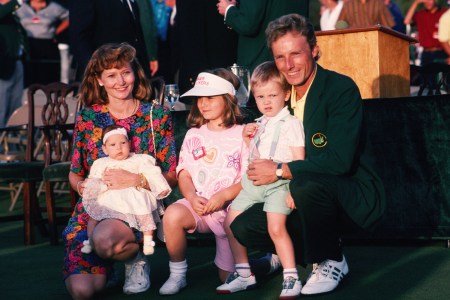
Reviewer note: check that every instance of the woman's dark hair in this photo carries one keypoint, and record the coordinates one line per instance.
(106, 57)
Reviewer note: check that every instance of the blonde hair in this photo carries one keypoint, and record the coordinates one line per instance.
(268, 71)
(232, 113)
(107, 57)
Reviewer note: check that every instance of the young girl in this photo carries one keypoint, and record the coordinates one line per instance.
(210, 167)
(279, 136)
(135, 205)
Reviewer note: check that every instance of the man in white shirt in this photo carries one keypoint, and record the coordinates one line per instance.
(330, 14)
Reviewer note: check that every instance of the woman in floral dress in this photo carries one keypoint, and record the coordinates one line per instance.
(113, 91)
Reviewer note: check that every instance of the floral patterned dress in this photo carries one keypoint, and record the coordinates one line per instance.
(87, 147)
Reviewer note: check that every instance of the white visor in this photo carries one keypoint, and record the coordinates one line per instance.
(208, 84)
(113, 132)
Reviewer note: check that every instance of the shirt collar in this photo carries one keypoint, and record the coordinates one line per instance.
(294, 93)
(279, 116)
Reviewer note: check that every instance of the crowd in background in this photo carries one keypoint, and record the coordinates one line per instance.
(176, 42)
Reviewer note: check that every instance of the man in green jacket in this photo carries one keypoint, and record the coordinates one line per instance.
(250, 19)
(12, 49)
(335, 190)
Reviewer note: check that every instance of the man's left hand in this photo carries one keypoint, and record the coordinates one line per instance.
(262, 171)
(154, 66)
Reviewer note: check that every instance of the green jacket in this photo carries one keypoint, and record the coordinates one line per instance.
(335, 142)
(250, 21)
(146, 19)
(12, 37)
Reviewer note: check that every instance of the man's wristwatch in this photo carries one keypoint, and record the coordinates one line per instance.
(279, 171)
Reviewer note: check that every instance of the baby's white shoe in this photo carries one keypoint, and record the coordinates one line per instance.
(149, 245)
(87, 248)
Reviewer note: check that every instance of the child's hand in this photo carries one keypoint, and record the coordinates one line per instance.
(214, 204)
(198, 204)
(290, 202)
(250, 130)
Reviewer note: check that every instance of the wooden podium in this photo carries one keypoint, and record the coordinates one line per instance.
(376, 58)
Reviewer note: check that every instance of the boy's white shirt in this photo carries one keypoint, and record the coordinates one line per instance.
(291, 135)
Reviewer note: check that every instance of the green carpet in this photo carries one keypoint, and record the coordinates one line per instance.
(377, 271)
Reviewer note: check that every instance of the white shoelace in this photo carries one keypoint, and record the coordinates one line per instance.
(137, 272)
(327, 270)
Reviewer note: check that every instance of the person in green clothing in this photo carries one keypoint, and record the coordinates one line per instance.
(335, 189)
(146, 19)
(250, 19)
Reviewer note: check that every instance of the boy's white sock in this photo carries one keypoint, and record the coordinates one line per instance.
(292, 272)
(178, 268)
(243, 270)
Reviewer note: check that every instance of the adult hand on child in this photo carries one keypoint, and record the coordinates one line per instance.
(117, 179)
(262, 171)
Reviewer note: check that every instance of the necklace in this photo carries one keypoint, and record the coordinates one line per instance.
(214, 127)
(125, 114)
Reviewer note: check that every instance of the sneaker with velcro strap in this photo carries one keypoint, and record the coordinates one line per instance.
(325, 277)
(236, 283)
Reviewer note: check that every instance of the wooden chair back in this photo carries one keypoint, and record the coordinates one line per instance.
(58, 116)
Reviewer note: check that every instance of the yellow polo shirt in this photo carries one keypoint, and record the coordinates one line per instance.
(299, 105)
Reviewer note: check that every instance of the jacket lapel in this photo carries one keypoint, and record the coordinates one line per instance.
(313, 98)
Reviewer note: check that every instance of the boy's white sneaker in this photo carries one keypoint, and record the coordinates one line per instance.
(236, 283)
(291, 288)
(325, 277)
(173, 285)
(137, 275)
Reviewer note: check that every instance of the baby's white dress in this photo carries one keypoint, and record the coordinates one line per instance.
(140, 208)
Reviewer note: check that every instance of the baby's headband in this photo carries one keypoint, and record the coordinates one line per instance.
(113, 132)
